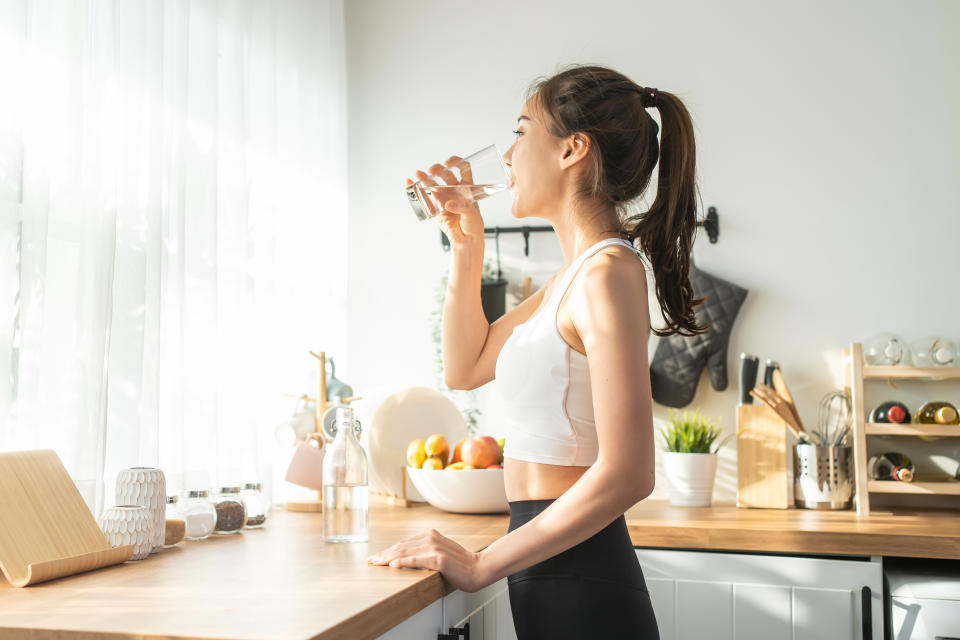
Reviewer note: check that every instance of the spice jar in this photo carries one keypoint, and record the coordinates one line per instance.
(197, 512)
(175, 525)
(231, 514)
(255, 504)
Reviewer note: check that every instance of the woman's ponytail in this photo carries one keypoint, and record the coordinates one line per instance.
(666, 231)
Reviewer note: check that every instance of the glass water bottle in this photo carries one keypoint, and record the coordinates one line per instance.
(346, 511)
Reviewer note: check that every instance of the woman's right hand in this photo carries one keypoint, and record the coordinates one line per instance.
(460, 219)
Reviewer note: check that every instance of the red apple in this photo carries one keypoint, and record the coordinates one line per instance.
(481, 451)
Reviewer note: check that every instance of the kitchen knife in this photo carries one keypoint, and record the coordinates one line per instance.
(749, 365)
(772, 365)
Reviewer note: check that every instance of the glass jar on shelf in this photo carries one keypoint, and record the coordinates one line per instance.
(934, 352)
(885, 350)
(255, 504)
(231, 514)
(198, 513)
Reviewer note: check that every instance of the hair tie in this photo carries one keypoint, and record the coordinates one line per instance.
(649, 97)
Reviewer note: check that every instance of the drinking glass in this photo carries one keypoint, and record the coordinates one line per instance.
(481, 174)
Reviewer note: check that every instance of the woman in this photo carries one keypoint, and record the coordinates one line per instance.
(571, 360)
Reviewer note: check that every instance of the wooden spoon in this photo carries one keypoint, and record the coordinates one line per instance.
(784, 391)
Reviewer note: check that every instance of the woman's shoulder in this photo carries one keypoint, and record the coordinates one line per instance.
(616, 269)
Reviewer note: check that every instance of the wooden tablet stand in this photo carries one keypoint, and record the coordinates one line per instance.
(47, 531)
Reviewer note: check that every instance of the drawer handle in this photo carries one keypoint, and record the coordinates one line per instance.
(866, 612)
(456, 634)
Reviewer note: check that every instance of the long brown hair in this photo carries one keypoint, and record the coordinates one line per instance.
(612, 110)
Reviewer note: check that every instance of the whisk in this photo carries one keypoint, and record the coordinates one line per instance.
(833, 419)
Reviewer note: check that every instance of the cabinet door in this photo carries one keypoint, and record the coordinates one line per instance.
(497, 619)
(424, 624)
(919, 618)
(746, 597)
(460, 605)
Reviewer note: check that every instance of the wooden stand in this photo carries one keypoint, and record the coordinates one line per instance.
(854, 375)
(392, 498)
(322, 404)
(46, 530)
(762, 479)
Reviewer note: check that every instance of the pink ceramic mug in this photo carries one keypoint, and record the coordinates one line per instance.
(306, 466)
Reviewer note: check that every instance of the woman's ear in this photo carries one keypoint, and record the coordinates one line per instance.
(574, 149)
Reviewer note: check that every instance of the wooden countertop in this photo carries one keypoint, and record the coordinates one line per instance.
(283, 582)
(278, 582)
(908, 533)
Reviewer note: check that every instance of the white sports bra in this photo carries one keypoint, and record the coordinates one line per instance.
(545, 385)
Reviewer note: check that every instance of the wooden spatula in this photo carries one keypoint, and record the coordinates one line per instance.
(784, 392)
(769, 397)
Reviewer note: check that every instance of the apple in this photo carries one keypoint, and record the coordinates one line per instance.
(494, 466)
(480, 451)
(416, 454)
(456, 451)
(432, 463)
(436, 446)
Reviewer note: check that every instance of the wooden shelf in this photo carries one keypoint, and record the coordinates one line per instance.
(911, 373)
(927, 430)
(855, 373)
(941, 488)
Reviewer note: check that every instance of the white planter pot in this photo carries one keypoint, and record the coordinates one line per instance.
(691, 477)
(129, 524)
(147, 487)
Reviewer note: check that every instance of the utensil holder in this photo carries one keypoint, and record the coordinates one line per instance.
(822, 477)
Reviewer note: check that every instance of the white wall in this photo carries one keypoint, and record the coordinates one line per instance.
(828, 140)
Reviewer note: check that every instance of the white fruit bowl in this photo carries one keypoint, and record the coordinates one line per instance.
(462, 490)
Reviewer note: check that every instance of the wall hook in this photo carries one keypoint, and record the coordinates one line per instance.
(711, 224)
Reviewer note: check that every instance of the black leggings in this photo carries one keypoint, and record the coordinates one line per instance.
(592, 590)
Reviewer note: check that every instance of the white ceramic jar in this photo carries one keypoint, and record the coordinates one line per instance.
(129, 524)
(147, 487)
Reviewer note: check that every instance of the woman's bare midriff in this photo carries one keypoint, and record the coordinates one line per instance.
(538, 481)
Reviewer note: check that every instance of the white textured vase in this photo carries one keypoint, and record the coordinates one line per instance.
(129, 524)
(147, 487)
(691, 477)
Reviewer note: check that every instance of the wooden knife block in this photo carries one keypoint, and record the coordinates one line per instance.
(762, 479)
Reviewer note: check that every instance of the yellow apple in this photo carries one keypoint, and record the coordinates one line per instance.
(432, 463)
(416, 454)
(437, 446)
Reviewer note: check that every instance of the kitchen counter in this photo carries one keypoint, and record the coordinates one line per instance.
(909, 533)
(282, 581)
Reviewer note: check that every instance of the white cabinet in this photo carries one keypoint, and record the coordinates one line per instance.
(423, 625)
(487, 611)
(747, 596)
(924, 600)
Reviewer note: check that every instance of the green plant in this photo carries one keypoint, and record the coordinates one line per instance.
(691, 433)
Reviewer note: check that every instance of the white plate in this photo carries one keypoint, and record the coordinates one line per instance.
(396, 419)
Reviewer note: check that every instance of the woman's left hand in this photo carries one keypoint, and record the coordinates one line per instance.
(461, 568)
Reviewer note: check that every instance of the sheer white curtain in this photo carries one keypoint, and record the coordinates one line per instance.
(172, 229)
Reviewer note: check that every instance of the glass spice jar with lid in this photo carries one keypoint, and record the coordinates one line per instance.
(175, 525)
(198, 513)
(255, 504)
(231, 514)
